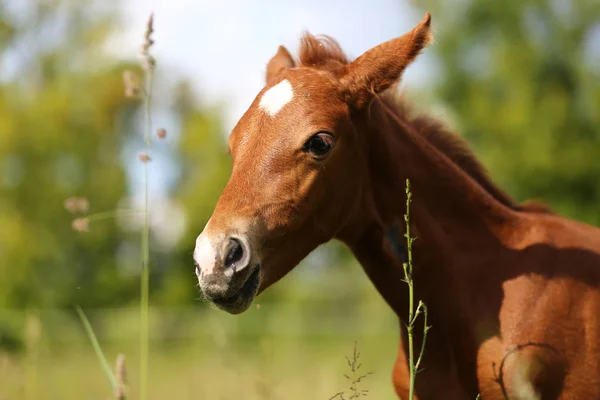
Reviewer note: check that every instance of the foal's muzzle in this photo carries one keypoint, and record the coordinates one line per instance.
(226, 272)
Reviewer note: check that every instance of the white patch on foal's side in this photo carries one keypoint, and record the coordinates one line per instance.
(274, 99)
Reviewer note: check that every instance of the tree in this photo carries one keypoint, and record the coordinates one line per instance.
(521, 80)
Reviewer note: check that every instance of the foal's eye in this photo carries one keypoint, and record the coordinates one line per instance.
(319, 144)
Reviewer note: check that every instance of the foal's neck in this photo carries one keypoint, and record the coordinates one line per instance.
(443, 190)
(452, 215)
(457, 222)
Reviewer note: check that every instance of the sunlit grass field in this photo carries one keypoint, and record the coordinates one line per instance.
(294, 347)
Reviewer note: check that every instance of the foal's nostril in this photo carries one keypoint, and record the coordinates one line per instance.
(235, 253)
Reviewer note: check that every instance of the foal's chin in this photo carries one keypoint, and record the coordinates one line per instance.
(239, 306)
(241, 300)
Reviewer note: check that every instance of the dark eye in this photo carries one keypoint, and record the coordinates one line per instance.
(319, 144)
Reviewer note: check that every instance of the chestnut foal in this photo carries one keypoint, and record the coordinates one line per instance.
(323, 152)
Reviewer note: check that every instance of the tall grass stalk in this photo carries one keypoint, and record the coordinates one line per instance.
(148, 66)
(121, 375)
(354, 377)
(90, 332)
(421, 308)
(132, 89)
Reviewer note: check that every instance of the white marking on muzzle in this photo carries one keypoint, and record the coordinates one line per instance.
(204, 254)
(275, 98)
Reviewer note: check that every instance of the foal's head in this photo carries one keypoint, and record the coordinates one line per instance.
(298, 165)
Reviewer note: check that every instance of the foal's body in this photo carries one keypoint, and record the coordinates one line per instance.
(512, 290)
(513, 294)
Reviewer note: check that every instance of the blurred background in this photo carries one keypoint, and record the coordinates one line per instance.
(519, 79)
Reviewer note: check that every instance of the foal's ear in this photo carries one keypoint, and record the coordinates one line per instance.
(281, 61)
(382, 66)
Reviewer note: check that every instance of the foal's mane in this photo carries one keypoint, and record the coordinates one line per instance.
(324, 52)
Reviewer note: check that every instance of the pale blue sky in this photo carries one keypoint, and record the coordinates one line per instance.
(223, 46)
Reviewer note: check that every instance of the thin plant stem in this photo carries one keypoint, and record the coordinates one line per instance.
(145, 276)
(82, 223)
(421, 308)
(110, 214)
(121, 375)
(90, 332)
(354, 378)
(408, 273)
(148, 66)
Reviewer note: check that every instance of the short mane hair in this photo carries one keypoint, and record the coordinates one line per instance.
(324, 52)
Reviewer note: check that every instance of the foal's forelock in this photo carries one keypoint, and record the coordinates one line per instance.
(321, 52)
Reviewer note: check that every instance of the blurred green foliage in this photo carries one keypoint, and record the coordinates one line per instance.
(65, 125)
(521, 79)
(521, 82)
(62, 119)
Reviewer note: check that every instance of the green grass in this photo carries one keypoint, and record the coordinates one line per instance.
(97, 349)
(290, 350)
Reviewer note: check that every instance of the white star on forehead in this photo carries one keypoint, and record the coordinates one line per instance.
(274, 99)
